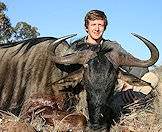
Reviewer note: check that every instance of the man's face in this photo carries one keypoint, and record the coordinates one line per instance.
(96, 29)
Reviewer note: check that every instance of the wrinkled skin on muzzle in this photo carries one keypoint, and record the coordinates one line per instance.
(100, 77)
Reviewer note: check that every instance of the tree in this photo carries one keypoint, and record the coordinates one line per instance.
(21, 31)
(24, 31)
(5, 25)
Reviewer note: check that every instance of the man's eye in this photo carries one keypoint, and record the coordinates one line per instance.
(93, 24)
(101, 25)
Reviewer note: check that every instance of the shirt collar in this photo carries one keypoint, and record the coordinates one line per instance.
(85, 40)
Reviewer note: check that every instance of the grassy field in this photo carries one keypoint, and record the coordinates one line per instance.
(148, 119)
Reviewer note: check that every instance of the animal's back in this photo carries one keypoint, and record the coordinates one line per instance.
(26, 68)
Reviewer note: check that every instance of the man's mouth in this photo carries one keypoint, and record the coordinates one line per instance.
(96, 34)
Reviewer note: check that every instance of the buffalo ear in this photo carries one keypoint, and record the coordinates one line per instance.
(131, 79)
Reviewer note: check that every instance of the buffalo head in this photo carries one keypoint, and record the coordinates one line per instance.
(100, 76)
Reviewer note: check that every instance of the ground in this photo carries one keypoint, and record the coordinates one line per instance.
(148, 119)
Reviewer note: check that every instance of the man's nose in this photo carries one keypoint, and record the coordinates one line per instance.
(97, 27)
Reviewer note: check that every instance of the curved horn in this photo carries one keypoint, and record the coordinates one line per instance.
(78, 57)
(132, 61)
(64, 38)
(153, 49)
(59, 40)
(56, 43)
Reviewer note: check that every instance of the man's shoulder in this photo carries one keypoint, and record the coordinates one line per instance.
(115, 46)
(78, 44)
(110, 42)
(78, 41)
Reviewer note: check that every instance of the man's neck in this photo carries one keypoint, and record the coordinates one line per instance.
(93, 41)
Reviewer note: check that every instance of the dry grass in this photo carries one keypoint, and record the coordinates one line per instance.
(11, 123)
(140, 120)
(147, 119)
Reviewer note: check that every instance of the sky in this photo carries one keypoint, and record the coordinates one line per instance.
(56, 18)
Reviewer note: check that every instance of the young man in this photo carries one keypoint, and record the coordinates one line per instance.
(95, 25)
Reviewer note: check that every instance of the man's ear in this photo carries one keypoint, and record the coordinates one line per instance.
(86, 29)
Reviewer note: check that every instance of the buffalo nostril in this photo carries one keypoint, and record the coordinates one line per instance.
(69, 130)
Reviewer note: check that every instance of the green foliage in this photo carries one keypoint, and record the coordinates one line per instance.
(21, 31)
(2, 7)
(24, 31)
(5, 25)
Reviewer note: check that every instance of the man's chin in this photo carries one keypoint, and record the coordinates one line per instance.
(97, 37)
